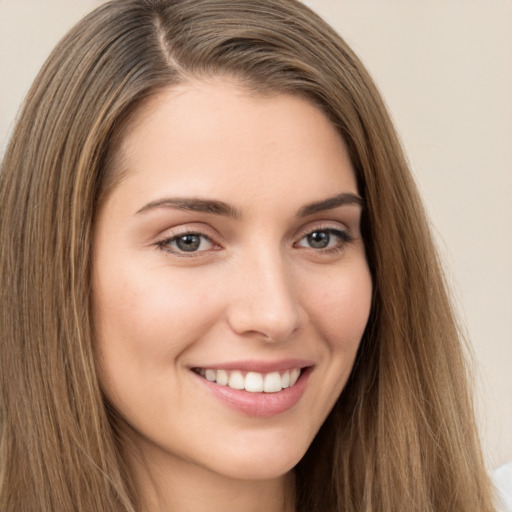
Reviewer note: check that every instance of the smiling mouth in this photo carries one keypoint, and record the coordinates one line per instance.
(253, 382)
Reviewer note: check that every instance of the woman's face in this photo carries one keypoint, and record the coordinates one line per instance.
(229, 256)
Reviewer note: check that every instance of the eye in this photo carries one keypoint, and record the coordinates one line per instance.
(186, 243)
(324, 239)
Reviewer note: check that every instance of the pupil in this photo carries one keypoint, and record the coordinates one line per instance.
(188, 242)
(319, 239)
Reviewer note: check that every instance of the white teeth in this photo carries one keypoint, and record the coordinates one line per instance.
(273, 382)
(294, 375)
(236, 380)
(254, 382)
(222, 377)
(210, 375)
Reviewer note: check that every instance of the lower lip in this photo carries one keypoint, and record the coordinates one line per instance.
(259, 404)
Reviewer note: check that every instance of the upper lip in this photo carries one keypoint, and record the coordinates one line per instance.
(253, 365)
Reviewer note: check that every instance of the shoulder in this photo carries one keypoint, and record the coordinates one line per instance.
(502, 478)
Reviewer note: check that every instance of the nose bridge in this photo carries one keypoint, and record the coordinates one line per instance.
(266, 302)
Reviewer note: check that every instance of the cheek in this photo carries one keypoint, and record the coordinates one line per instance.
(148, 317)
(342, 310)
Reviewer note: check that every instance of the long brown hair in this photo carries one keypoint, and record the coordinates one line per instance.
(402, 436)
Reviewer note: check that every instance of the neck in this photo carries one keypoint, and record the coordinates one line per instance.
(177, 485)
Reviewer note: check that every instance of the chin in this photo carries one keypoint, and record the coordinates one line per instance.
(266, 461)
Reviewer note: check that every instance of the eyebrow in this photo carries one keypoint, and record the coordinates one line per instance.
(346, 198)
(221, 208)
(194, 205)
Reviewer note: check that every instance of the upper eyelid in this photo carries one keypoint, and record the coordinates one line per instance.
(344, 235)
(188, 229)
(323, 225)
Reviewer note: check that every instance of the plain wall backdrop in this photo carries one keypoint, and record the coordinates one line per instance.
(444, 68)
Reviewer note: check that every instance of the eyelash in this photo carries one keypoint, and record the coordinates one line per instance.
(343, 236)
(165, 244)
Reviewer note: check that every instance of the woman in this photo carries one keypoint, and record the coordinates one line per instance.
(218, 283)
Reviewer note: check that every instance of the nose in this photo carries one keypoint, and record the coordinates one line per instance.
(265, 303)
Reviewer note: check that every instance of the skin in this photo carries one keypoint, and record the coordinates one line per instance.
(255, 289)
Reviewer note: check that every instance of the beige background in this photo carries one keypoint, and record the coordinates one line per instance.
(445, 70)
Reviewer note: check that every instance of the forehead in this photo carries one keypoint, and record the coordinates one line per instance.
(204, 134)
